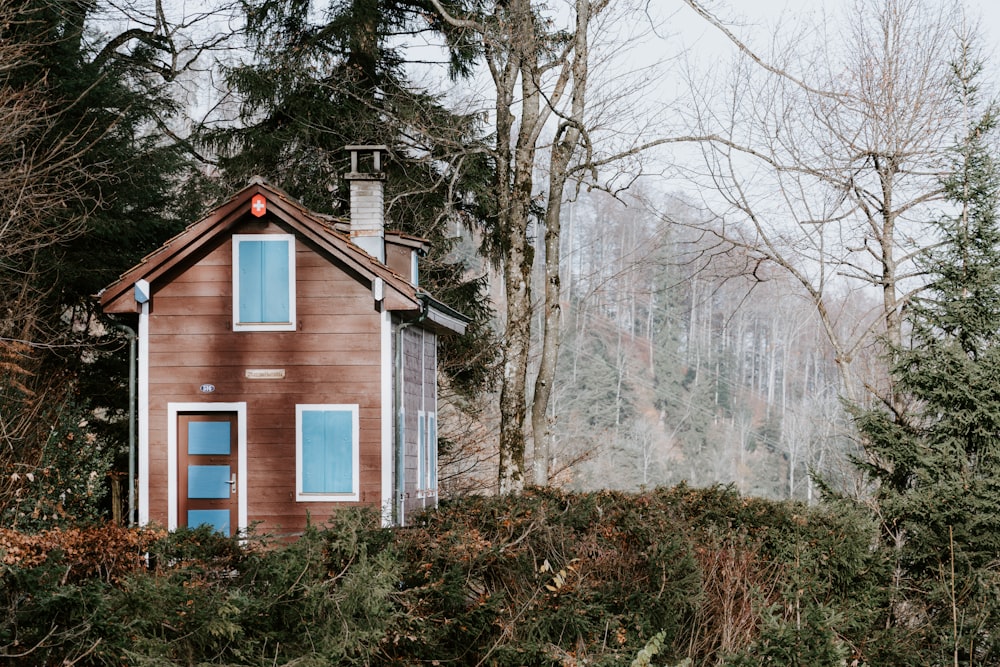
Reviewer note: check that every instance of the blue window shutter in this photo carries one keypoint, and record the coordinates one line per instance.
(327, 451)
(313, 452)
(274, 290)
(264, 281)
(432, 440)
(251, 279)
(340, 435)
(421, 453)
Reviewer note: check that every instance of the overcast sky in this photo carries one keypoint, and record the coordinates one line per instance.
(760, 16)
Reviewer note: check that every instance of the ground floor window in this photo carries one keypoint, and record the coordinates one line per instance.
(427, 452)
(326, 452)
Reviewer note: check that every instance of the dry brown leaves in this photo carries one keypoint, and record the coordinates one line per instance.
(108, 551)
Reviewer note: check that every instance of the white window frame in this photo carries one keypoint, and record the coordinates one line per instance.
(426, 453)
(422, 461)
(264, 326)
(355, 493)
(432, 452)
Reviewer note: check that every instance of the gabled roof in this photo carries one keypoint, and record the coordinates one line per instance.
(398, 294)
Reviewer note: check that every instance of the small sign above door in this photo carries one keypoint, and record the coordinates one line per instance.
(265, 373)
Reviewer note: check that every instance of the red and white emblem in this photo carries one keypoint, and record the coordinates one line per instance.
(258, 205)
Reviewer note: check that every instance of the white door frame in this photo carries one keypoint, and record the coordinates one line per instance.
(173, 409)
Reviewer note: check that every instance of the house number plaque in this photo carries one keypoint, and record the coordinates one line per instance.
(265, 373)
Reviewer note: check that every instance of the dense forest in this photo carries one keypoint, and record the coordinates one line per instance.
(677, 366)
(727, 393)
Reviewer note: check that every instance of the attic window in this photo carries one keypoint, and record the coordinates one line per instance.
(263, 282)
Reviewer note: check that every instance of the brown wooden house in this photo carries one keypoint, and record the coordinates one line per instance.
(286, 364)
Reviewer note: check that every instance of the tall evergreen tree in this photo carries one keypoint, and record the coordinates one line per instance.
(99, 181)
(104, 94)
(325, 76)
(937, 465)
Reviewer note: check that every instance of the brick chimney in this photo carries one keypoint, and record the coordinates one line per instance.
(368, 199)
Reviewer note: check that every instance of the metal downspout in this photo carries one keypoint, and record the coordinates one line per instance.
(132, 337)
(397, 390)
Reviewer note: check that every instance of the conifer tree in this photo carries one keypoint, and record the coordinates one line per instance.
(937, 465)
(85, 189)
(325, 76)
(103, 96)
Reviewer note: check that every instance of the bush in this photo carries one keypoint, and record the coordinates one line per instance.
(550, 577)
(67, 486)
(544, 578)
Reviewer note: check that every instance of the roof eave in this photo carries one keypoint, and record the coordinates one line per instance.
(442, 318)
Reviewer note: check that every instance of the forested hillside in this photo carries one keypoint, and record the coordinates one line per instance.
(684, 361)
(728, 393)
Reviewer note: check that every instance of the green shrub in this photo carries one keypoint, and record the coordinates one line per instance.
(68, 485)
(545, 578)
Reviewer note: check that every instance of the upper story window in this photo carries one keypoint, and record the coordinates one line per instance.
(263, 282)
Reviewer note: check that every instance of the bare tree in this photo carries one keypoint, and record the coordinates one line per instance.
(668, 338)
(42, 177)
(828, 160)
(541, 71)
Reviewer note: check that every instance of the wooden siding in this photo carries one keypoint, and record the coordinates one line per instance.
(331, 357)
(419, 396)
(399, 259)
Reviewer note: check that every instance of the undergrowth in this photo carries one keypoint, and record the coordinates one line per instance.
(669, 576)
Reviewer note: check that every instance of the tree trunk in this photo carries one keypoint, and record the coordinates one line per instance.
(566, 141)
(519, 256)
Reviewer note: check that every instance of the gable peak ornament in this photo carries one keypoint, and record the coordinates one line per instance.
(258, 206)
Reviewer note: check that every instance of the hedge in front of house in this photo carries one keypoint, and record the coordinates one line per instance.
(543, 578)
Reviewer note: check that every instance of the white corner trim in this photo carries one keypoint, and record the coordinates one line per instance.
(387, 419)
(173, 409)
(143, 415)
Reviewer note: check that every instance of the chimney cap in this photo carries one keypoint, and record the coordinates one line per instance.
(376, 165)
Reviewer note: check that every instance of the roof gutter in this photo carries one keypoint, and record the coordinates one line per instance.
(444, 318)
